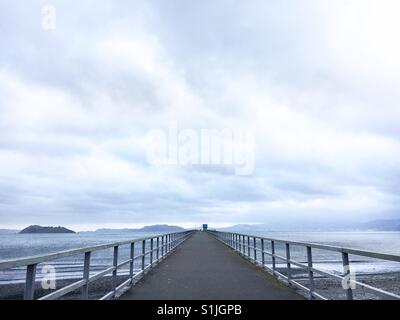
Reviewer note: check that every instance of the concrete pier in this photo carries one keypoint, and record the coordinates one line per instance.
(203, 268)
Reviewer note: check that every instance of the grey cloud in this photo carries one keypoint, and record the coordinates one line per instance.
(73, 113)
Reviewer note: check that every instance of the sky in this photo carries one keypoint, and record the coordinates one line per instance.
(83, 85)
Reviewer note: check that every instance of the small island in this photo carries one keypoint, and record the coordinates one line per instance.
(40, 229)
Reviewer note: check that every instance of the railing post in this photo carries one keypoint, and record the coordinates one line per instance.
(236, 242)
(162, 246)
(346, 272)
(288, 265)
(273, 256)
(255, 248)
(114, 274)
(151, 252)
(143, 253)
(29, 292)
(262, 253)
(86, 272)
(158, 248)
(310, 272)
(132, 263)
(248, 246)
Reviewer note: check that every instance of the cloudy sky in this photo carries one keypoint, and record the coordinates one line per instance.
(316, 80)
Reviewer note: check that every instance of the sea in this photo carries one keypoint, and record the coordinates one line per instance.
(14, 246)
(382, 242)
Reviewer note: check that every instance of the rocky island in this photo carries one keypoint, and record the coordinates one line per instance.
(40, 229)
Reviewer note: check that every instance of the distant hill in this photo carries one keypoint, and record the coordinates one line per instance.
(375, 225)
(246, 228)
(40, 229)
(153, 228)
(162, 227)
(382, 225)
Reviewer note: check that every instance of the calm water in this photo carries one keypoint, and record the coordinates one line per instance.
(383, 242)
(22, 245)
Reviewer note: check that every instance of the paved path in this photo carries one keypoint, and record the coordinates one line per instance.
(203, 268)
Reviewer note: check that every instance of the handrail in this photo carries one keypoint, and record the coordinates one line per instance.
(358, 252)
(22, 262)
(241, 243)
(160, 246)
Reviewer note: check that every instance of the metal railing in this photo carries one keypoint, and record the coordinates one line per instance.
(250, 245)
(159, 247)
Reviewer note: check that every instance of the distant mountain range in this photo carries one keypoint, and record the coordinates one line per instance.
(375, 225)
(40, 229)
(153, 228)
(382, 225)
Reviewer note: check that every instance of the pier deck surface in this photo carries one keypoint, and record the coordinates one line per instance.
(203, 268)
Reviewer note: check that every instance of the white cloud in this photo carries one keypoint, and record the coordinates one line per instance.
(317, 82)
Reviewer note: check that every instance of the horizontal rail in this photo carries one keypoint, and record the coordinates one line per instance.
(241, 243)
(120, 265)
(101, 274)
(63, 291)
(165, 244)
(357, 252)
(22, 262)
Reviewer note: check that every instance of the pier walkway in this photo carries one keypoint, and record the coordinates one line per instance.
(211, 265)
(203, 268)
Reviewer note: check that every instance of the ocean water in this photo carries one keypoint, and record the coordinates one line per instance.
(14, 246)
(22, 245)
(382, 242)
